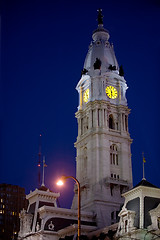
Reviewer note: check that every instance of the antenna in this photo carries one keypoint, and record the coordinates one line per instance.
(39, 161)
(44, 165)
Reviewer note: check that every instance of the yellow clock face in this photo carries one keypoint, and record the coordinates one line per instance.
(111, 92)
(86, 95)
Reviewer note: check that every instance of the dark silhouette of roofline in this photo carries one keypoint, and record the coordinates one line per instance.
(145, 183)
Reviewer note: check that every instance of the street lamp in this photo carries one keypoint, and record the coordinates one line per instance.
(60, 183)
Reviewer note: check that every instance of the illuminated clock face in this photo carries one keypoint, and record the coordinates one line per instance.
(111, 92)
(86, 95)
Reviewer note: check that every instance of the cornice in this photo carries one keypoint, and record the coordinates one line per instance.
(42, 194)
(103, 104)
(112, 133)
(143, 190)
(63, 212)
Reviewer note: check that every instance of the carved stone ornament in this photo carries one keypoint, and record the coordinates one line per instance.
(37, 227)
(155, 218)
(51, 226)
(25, 222)
(126, 223)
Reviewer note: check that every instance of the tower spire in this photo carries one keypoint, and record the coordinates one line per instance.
(100, 17)
(103, 142)
(39, 161)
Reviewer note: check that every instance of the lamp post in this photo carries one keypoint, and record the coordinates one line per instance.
(60, 183)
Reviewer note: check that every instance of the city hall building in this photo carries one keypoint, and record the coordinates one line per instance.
(110, 207)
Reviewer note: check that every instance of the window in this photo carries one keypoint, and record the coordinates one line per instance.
(114, 154)
(112, 215)
(116, 159)
(111, 158)
(87, 124)
(111, 189)
(98, 117)
(125, 225)
(115, 176)
(126, 122)
(111, 122)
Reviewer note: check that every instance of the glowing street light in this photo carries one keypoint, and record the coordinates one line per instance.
(60, 182)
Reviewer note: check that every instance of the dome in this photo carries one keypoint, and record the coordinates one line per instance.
(101, 53)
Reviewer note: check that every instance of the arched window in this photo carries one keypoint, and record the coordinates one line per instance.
(114, 154)
(111, 122)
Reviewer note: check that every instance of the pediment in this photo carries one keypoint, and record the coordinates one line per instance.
(125, 211)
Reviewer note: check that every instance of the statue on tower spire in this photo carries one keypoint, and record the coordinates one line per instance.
(100, 17)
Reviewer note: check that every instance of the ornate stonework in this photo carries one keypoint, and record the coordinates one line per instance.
(103, 161)
(25, 223)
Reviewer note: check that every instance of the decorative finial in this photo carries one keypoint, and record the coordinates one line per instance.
(144, 161)
(100, 17)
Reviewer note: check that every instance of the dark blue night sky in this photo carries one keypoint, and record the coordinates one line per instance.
(44, 44)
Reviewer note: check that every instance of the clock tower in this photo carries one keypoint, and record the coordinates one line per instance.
(103, 161)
